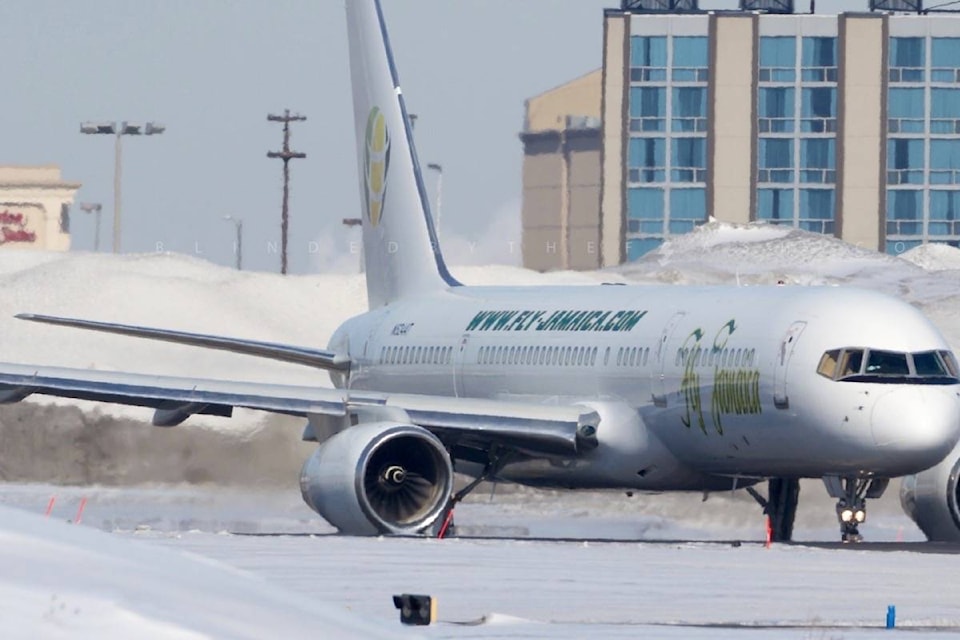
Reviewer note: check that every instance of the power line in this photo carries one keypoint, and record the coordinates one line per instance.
(286, 155)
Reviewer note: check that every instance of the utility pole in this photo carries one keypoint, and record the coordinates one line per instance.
(286, 155)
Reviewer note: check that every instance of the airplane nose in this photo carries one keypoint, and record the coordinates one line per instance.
(919, 422)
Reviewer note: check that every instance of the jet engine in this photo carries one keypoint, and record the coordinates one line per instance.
(379, 478)
(932, 499)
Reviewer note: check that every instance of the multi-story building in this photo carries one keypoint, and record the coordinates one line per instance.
(35, 208)
(561, 176)
(843, 124)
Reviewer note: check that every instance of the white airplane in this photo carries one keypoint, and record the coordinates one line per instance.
(655, 388)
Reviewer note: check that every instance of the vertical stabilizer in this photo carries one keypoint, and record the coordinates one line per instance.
(401, 253)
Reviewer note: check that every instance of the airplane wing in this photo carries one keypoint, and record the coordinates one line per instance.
(319, 358)
(539, 430)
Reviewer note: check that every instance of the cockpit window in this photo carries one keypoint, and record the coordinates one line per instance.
(950, 361)
(850, 362)
(891, 367)
(928, 363)
(828, 363)
(887, 363)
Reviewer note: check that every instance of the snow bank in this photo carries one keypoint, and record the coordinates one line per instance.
(66, 581)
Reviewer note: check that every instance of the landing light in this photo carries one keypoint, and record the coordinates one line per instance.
(847, 515)
(860, 515)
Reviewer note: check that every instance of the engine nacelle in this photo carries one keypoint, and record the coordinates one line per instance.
(379, 478)
(932, 499)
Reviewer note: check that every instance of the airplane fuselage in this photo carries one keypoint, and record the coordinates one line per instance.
(700, 384)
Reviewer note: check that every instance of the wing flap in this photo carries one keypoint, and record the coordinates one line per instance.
(319, 358)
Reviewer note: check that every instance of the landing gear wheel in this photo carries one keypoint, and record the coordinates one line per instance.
(852, 494)
(780, 506)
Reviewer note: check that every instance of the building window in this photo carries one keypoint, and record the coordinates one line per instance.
(818, 160)
(945, 60)
(776, 110)
(64, 218)
(944, 111)
(648, 159)
(778, 57)
(904, 212)
(645, 210)
(688, 208)
(907, 59)
(688, 160)
(945, 161)
(647, 109)
(905, 110)
(648, 59)
(638, 247)
(819, 110)
(817, 210)
(905, 161)
(944, 213)
(819, 60)
(690, 59)
(776, 160)
(775, 205)
(690, 109)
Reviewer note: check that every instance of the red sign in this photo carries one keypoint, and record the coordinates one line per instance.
(13, 228)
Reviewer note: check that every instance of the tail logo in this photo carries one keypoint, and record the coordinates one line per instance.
(377, 161)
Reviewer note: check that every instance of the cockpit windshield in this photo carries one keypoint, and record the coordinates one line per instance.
(856, 364)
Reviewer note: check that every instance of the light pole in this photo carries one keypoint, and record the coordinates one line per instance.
(439, 169)
(238, 223)
(93, 207)
(119, 129)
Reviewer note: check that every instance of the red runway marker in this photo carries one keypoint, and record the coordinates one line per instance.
(83, 503)
(50, 505)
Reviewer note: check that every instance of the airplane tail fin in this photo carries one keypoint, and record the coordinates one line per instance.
(401, 253)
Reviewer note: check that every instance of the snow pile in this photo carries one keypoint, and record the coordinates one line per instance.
(757, 253)
(934, 257)
(65, 581)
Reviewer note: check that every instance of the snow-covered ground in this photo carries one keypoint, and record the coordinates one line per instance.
(182, 488)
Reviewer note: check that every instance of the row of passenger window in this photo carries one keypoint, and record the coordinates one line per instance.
(552, 356)
(415, 355)
(632, 356)
(720, 357)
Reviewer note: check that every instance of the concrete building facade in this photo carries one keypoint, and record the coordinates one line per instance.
(35, 208)
(561, 177)
(847, 125)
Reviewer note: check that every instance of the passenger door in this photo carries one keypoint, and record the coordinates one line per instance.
(784, 354)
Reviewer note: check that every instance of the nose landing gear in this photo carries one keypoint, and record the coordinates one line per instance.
(852, 494)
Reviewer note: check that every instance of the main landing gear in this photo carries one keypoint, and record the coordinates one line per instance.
(852, 494)
(780, 506)
(496, 459)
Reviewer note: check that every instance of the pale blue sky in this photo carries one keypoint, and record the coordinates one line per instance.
(212, 70)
